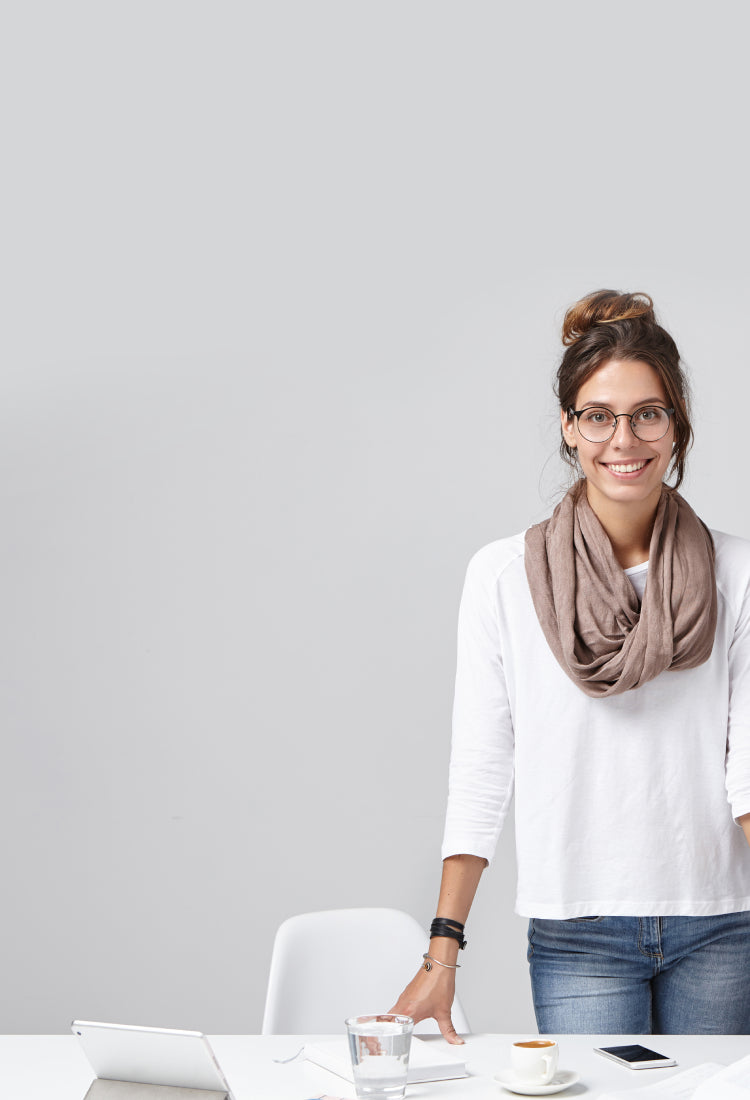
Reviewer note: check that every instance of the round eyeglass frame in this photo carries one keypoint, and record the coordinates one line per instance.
(578, 413)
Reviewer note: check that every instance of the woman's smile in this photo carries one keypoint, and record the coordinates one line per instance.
(629, 470)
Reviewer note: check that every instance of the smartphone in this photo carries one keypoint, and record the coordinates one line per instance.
(635, 1056)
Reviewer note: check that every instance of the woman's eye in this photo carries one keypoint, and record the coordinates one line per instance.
(648, 414)
(596, 416)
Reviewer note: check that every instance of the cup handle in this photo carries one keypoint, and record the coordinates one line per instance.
(549, 1069)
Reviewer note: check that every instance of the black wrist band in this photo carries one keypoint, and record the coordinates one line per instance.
(449, 920)
(451, 929)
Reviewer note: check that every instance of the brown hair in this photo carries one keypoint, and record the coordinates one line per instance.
(608, 325)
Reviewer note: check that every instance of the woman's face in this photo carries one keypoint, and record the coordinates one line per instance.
(625, 469)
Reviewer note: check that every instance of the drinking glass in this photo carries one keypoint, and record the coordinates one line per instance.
(379, 1046)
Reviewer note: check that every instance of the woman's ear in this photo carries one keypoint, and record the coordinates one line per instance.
(568, 423)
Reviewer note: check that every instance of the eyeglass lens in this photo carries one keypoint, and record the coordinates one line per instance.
(649, 424)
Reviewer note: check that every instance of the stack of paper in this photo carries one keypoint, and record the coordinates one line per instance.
(730, 1083)
(708, 1081)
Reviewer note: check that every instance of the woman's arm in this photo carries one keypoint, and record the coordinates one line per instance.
(430, 993)
(481, 778)
(744, 821)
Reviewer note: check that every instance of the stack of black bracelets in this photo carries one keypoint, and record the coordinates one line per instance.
(453, 930)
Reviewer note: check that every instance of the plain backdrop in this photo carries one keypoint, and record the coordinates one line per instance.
(282, 285)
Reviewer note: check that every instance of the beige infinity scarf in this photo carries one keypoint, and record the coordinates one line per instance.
(589, 611)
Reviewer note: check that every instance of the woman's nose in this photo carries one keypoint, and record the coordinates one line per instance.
(624, 435)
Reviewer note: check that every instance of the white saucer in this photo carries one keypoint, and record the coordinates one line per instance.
(563, 1079)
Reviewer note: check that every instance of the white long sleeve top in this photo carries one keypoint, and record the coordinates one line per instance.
(624, 805)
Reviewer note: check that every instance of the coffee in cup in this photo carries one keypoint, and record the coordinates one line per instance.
(534, 1060)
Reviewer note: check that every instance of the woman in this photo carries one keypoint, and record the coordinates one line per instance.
(604, 670)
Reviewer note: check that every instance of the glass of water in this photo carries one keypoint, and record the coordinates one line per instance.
(379, 1046)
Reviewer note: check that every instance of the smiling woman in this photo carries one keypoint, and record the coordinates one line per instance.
(618, 357)
(624, 457)
(604, 674)
(607, 326)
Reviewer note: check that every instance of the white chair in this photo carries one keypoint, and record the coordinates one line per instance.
(342, 962)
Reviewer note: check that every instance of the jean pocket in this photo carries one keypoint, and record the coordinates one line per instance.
(583, 920)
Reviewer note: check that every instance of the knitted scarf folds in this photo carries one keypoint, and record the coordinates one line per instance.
(602, 637)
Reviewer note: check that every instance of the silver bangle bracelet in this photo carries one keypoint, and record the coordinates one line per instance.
(429, 960)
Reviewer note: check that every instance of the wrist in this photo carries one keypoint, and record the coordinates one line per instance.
(444, 949)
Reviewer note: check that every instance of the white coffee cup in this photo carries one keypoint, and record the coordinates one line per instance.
(534, 1060)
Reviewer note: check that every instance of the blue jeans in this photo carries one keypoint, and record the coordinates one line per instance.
(641, 975)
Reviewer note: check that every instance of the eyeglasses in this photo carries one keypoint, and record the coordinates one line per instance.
(598, 424)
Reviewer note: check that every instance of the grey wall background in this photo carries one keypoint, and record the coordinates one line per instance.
(282, 286)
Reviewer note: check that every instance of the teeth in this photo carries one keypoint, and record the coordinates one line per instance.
(629, 469)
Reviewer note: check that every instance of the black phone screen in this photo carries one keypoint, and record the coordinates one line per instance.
(635, 1053)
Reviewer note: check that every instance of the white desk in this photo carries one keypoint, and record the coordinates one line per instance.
(53, 1067)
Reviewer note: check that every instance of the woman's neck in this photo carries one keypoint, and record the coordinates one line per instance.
(628, 526)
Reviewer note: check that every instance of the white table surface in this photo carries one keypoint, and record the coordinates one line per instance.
(53, 1067)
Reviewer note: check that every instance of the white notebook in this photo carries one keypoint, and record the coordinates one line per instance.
(427, 1061)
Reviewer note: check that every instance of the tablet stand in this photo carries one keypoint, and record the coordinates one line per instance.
(102, 1089)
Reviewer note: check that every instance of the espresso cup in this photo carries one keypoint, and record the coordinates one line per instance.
(534, 1060)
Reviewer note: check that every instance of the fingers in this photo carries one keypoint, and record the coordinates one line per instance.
(430, 996)
(404, 1007)
(448, 1031)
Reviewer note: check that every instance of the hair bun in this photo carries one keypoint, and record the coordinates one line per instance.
(603, 307)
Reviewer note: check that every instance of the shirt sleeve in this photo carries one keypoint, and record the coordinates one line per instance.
(481, 766)
(738, 733)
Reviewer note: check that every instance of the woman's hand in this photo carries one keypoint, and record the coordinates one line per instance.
(430, 995)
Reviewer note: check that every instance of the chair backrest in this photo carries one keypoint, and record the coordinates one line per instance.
(343, 962)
